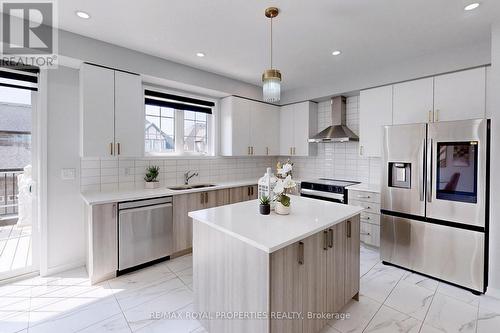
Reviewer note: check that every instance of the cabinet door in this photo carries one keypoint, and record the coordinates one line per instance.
(286, 129)
(97, 111)
(223, 197)
(103, 246)
(253, 194)
(258, 128)
(375, 111)
(301, 129)
(335, 268)
(351, 258)
(460, 95)
(314, 280)
(286, 287)
(183, 224)
(129, 115)
(413, 101)
(270, 130)
(241, 124)
(237, 194)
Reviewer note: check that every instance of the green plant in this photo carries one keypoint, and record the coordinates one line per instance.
(284, 200)
(264, 200)
(152, 173)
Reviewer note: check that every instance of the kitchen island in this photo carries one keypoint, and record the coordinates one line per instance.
(270, 274)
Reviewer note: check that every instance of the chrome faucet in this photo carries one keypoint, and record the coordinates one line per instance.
(187, 177)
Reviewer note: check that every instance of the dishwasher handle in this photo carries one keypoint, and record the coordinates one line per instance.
(140, 209)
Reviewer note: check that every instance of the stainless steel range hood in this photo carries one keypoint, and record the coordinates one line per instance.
(338, 132)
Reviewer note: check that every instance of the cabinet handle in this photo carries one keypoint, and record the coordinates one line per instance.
(118, 148)
(252, 150)
(248, 150)
(330, 238)
(300, 256)
(436, 115)
(111, 148)
(325, 240)
(364, 196)
(202, 198)
(248, 191)
(251, 190)
(267, 150)
(365, 233)
(348, 229)
(430, 116)
(113, 213)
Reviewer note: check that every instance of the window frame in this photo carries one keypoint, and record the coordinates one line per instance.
(179, 126)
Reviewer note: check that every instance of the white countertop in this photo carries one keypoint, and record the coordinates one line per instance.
(94, 198)
(273, 232)
(365, 187)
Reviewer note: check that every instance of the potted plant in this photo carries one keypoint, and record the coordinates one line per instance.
(282, 189)
(265, 205)
(151, 177)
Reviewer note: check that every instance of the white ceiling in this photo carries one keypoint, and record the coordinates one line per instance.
(234, 34)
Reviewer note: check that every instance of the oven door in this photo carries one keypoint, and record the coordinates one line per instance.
(321, 195)
(456, 183)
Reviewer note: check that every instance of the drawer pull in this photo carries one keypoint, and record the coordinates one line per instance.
(300, 258)
(330, 238)
(364, 196)
(325, 240)
(365, 233)
(348, 231)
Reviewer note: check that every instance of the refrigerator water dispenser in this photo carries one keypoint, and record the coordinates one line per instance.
(400, 175)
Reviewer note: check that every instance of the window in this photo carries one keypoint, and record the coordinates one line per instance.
(177, 124)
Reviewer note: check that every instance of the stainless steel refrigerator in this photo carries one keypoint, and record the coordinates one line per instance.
(435, 200)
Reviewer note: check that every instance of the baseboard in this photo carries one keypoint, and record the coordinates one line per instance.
(493, 292)
(64, 267)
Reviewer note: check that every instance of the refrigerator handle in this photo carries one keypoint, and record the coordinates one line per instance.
(421, 180)
(429, 171)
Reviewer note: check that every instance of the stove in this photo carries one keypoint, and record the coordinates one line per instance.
(326, 189)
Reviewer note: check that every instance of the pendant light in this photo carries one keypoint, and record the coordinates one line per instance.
(271, 78)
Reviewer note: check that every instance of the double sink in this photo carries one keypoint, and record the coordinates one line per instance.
(190, 187)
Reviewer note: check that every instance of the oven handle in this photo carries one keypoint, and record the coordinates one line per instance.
(323, 194)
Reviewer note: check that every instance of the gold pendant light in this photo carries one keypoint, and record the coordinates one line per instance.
(271, 78)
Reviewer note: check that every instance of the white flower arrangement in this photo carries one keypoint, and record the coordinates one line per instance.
(282, 188)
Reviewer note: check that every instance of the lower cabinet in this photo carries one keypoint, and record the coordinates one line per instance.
(185, 203)
(315, 276)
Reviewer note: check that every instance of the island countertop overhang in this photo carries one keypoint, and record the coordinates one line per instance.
(270, 233)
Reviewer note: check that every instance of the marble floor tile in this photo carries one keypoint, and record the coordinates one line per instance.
(114, 324)
(488, 320)
(184, 324)
(420, 280)
(388, 269)
(388, 320)
(410, 299)
(429, 329)
(328, 329)
(141, 278)
(186, 276)
(458, 293)
(488, 302)
(450, 315)
(181, 263)
(377, 285)
(360, 314)
(11, 322)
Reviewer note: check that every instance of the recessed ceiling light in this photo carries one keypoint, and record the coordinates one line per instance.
(82, 14)
(336, 52)
(471, 6)
(200, 54)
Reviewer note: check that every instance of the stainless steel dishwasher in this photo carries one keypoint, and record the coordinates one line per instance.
(144, 232)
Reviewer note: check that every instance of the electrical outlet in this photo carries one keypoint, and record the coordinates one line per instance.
(68, 174)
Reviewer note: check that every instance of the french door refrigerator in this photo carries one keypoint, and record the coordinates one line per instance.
(435, 200)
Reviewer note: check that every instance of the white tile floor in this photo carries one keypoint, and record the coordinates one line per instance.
(392, 300)
(15, 248)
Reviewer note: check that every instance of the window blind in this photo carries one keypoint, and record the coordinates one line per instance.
(178, 102)
(19, 78)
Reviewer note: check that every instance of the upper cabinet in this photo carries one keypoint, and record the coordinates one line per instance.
(460, 95)
(375, 111)
(298, 123)
(111, 113)
(248, 128)
(413, 101)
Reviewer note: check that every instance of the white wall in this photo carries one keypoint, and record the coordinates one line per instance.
(420, 66)
(64, 204)
(493, 112)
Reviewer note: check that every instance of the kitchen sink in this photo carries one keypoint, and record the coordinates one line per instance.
(188, 187)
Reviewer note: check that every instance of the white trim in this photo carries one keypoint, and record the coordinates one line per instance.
(66, 267)
(18, 278)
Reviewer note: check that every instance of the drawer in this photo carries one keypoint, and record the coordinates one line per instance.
(370, 207)
(363, 196)
(370, 218)
(370, 234)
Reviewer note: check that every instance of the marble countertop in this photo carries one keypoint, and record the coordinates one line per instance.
(365, 187)
(273, 232)
(94, 198)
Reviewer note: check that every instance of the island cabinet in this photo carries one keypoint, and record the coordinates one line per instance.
(244, 193)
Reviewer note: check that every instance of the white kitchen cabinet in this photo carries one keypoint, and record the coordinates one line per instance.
(111, 113)
(298, 123)
(413, 101)
(248, 127)
(375, 111)
(460, 95)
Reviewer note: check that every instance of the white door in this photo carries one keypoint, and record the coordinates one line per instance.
(301, 129)
(258, 128)
(460, 95)
(413, 102)
(241, 124)
(97, 113)
(129, 115)
(272, 130)
(286, 129)
(375, 111)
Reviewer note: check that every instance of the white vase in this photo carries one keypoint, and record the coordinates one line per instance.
(282, 210)
(151, 185)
